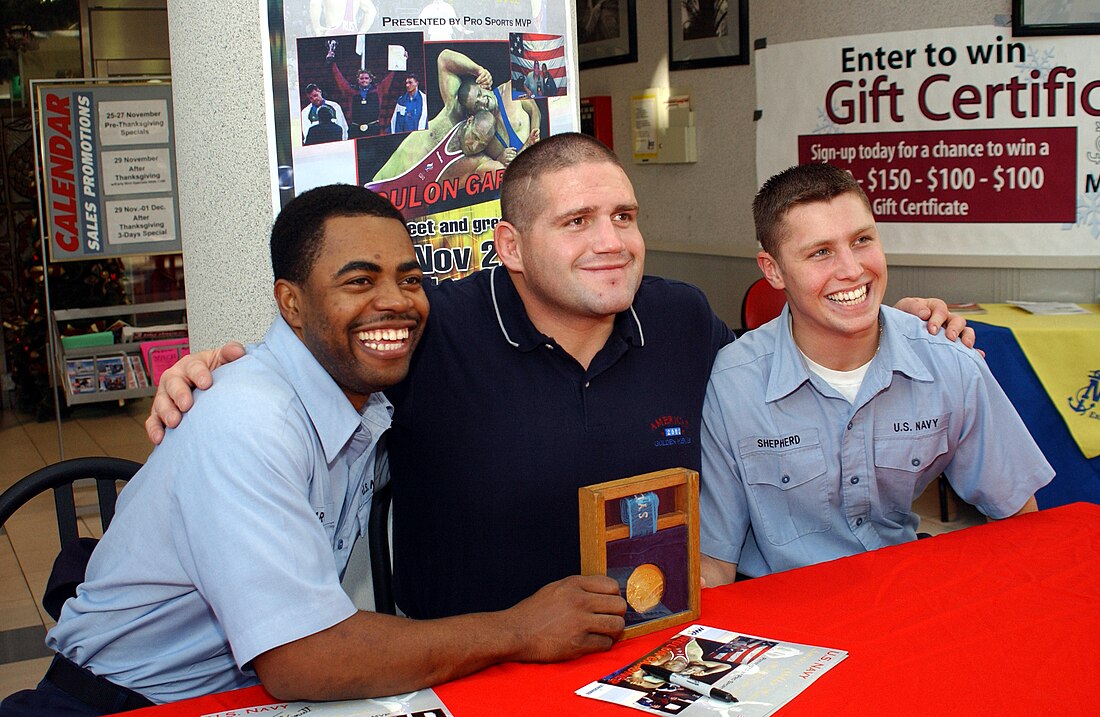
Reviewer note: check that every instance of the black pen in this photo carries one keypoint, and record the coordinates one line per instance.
(694, 685)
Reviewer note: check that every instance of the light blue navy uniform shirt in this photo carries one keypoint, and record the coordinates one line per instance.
(794, 474)
(232, 539)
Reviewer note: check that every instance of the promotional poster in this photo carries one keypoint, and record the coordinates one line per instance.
(426, 102)
(993, 139)
(109, 169)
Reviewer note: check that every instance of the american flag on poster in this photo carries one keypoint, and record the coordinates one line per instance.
(743, 650)
(529, 48)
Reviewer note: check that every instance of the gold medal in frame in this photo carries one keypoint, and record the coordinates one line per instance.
(655, 562)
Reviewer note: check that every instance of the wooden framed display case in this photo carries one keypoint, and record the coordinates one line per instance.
(643, 531)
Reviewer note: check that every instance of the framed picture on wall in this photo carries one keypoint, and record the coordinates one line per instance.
(707, 33)
(607, 32)
(1055, 17)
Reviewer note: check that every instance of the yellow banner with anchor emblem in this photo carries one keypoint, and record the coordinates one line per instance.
(1064, 352)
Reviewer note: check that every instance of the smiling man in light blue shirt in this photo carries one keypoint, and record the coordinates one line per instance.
(222, 566)
(821, 427)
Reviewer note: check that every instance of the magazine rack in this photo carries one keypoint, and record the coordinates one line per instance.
(102, 355)
(643, 531)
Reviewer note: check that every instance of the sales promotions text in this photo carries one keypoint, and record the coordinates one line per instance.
(880, 98)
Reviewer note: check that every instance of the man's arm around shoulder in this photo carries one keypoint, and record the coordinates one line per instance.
(370, 655)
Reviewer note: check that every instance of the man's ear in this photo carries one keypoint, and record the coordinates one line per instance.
(772, 271)
(288, 298)
(506, 238)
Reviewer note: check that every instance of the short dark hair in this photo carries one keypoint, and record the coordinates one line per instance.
(311, 87)
(465, 89)
(325, 114)
(518, 202)
(297, 236)
(801, 184)
(412, 76)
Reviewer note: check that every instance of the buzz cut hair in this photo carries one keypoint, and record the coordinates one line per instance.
(794, 186)
(298, 235)
(519, 195)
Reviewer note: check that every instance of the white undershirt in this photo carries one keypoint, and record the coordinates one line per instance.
(846, 383)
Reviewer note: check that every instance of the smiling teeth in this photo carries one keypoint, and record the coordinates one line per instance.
(849, 297)
(378, 339)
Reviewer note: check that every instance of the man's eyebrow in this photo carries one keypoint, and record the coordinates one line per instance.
(589, 209)
(352, 266)
(358, 266)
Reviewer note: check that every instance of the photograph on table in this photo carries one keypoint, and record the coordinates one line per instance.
(643, 531)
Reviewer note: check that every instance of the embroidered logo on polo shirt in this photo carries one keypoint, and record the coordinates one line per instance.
(670, 431)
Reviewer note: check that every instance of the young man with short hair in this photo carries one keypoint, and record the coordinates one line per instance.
(821, 427)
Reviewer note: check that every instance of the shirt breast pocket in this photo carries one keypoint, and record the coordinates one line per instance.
(902, 462)
(788, 487)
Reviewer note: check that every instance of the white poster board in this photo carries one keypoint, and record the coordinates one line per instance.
(966, 140)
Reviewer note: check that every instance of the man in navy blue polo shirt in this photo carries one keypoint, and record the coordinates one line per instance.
(562, 368)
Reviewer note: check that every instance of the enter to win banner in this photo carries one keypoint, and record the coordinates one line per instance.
(993, 139)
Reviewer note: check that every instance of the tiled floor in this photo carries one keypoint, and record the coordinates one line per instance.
(29, 541)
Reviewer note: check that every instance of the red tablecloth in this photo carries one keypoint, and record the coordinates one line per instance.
(999, 619)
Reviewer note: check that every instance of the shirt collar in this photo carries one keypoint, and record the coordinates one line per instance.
(330, 411)
(789, 371)
(895, 354)
(516, 326)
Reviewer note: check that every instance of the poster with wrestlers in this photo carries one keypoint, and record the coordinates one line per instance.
(426, 102)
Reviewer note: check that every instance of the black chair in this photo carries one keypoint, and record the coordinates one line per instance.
(378, 533)
(68, 570)
(381, 570)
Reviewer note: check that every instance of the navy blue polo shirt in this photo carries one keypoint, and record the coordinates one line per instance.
(497, 426)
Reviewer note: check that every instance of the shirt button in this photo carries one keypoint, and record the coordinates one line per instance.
(916, 461)
(587, 384)
(854, 479)
(859, 521)
(340, 544)
(786, 479)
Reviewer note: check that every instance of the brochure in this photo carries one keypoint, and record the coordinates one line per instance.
(111, 371)
(81, 375)
(422, 703)
(760, 673)
(1050, 308)
(967, 308)
(137, 372)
